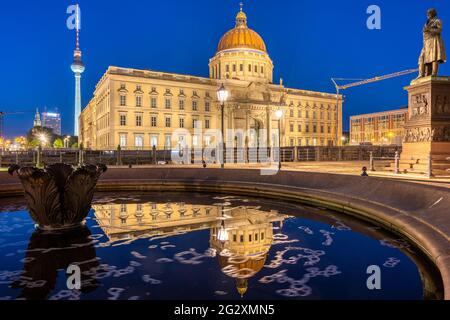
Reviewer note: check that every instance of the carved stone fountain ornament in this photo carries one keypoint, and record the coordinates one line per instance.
(59, 196)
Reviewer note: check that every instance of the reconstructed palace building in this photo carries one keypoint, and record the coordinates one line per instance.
(139, 109)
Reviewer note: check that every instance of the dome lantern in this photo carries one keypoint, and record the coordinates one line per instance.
(241, 18)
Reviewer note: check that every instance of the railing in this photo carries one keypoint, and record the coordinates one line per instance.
(385, 163)
(232, 155)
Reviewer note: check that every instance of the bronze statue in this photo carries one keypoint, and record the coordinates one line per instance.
(433, 52)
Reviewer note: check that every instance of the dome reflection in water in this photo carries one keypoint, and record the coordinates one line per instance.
(206, 246)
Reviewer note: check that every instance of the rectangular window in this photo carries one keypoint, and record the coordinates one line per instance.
(194, 105)
(181, 104)
(299, 128)
(234, 68)
(329, 129)
(227, 68)
(207, 140)
(168, 141)
(139, 121)
(207, 106)
(138, 101)
(241, 67)
(234, 237)
(307, 114)
(196, 124)
(153, 103)
(123, 140)
(153, 141)
(242, 238)
(207, 123)
(195, 140)
(139, 141)
(314, 129)
(321, 129)
(307, 128)
(291, 127)
(181, 122)
(256, 69)
(262, 69)
(123, 120)
(291, 142)
(123, 100)
(249, 68)
(168, 122)
(153, 120)
(314, 114)
(291, 113)
(168, 103)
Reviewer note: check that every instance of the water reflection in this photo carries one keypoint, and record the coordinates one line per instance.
(240, 237)
(47, 253)
(203, 246)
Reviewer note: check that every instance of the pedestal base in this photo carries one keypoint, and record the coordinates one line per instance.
(427, 129)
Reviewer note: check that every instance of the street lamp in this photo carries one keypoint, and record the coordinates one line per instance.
(222, 96)
(222, 234)
(279, 115)
(42, 138)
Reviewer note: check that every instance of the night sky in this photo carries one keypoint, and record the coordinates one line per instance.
(309, 42)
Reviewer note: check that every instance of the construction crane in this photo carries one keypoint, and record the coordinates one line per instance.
(2, 115)
(361, 82)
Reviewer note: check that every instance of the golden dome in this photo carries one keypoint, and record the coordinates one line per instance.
(241, 36)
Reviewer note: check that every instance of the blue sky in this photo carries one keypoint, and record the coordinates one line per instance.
(309, 42)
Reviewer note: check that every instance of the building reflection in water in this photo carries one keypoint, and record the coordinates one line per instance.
(241, 236)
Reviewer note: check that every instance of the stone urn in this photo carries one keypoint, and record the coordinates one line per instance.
(59, 196)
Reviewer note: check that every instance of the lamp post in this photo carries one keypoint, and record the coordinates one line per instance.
(42, 141)
(222, 234)
(279, 115)
(222, 96)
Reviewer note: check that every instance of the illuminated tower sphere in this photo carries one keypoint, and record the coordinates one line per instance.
(77, 68)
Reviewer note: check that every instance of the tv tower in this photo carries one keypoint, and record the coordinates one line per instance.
(77, 68)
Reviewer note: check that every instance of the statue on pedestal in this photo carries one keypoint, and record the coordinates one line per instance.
(433, 52)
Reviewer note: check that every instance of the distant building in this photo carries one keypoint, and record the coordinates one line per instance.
(37, 119)
(52, 120)
(381, 128)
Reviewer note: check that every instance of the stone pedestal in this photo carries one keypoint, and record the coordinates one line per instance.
(427, 128)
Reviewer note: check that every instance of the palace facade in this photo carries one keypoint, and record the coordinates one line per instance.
(139, 109)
